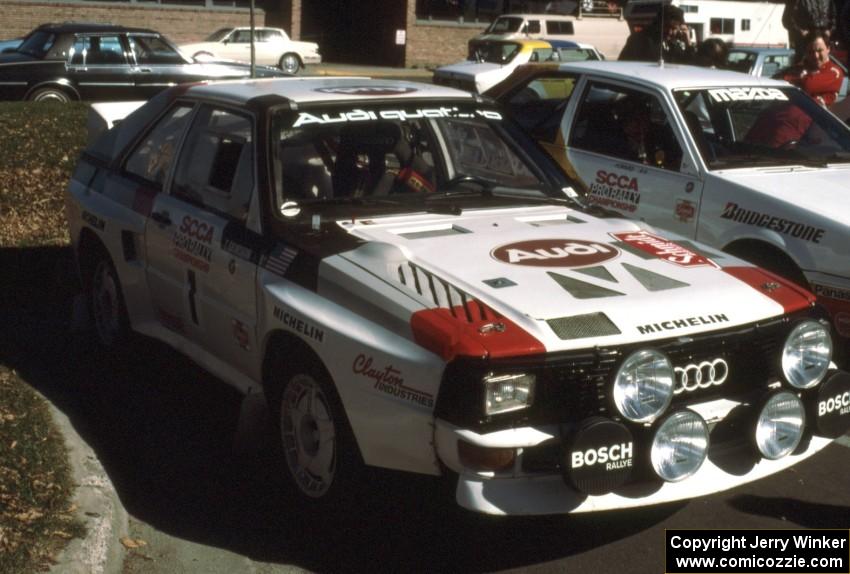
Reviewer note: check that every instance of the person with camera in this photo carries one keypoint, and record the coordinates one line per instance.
(668, 37)
(816, 75)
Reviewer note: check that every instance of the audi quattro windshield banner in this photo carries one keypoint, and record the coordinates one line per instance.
(757, 551)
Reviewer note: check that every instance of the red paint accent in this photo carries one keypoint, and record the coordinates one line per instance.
(450, 333)
(665, 249)
(143, 201)
(792, 297)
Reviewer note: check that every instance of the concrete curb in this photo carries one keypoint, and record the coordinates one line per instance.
(98, 506)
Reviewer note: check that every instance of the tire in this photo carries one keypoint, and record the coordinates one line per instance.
(320, 456)
(771, 259)
(50, 95)
(106, 304)
(290, 63)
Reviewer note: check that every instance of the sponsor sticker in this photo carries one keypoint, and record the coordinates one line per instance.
(685, 210)
(615, 190)
(299, 325)
(93, 220)
(664, 249)
(747, 94)
(734, 212)
(359, 115)
(683, 323)
(368, 90)
(555, 253)
(831, 292)
(241, 335)
(600, 456)
(390, 381)
(192, 243)
(842, 324)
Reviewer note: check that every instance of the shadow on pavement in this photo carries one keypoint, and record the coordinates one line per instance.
(802, 513)
(164, 430)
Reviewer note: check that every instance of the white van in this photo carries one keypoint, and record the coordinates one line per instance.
(607, 32)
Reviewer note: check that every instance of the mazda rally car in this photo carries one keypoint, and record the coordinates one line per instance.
(412, 286)
(749, 165)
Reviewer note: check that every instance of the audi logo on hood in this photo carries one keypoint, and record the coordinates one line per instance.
(367, 90)
(555, 253)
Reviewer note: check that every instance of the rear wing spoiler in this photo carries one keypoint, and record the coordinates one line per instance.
(105, 115)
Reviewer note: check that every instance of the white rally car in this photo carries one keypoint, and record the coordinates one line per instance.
(399, 271)
(748, 165)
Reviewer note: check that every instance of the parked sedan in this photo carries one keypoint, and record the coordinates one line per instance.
(749, 165)
(405, 278)
(491, 61)
(272, 47)
(64, 62)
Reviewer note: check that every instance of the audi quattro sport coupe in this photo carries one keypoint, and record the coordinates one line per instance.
(410, 283)
(749, 165)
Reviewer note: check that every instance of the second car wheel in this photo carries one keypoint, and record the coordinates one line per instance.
(318, 447)
(50, 95)
(290, 63)
(106, 302)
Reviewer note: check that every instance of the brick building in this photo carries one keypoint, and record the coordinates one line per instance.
(380, 32)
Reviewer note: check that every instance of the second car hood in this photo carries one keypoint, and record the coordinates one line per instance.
(539, 265)
(468, 69)
(822, 191)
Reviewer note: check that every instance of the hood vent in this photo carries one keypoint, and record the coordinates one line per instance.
(582, 289)
(433, 231)
(651, 280)
(461, 304)
(583, 326)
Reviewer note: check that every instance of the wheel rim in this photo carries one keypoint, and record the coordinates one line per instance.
(308, 435)
(51, 96)
(106, 304)
(290, 64)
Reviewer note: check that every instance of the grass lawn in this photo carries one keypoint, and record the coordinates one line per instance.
(39, 145)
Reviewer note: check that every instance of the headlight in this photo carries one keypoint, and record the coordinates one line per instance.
(680, 446)
(505, 393)
(780, 425)
(806, 356)
(644, 386)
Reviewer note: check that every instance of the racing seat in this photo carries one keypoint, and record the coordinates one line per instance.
(360, 162)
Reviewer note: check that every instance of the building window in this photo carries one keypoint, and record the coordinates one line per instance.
(745, 25)
(465, 10)
(722, 25)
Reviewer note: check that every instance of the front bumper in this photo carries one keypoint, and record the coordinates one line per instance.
(311, 59)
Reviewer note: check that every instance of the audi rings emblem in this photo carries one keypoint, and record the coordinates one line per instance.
(700, 376)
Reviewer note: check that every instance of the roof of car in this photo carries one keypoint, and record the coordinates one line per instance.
(668, 76)
(306, 89)
(80, 27)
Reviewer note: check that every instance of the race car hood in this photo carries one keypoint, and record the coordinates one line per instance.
(565, 278)
(820, 191)
(467, 70)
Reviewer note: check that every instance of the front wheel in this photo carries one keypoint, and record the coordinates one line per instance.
(50, 95)
(321, 455)
(290, 63)
(106, 302)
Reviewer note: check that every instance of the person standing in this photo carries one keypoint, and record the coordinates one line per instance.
(804, 16)
(668, 37)
(817, 75)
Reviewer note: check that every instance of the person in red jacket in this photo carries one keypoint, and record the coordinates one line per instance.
(817, 75)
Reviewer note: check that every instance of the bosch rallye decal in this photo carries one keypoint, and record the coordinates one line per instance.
(554, 253)
(795, 229)
(305, 118)
(664, 249)
(615, 190)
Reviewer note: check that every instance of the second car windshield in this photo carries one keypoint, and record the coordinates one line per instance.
(218, 35)
(758, 126)
(37, 44)
(493, 52)
(399, 154)
(504, 25)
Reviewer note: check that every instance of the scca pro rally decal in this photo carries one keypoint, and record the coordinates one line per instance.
(795, 229)
(390, 381)
(664, 249)
(192, 243)
(746, 94)
(615, 190)
(683, 323)
(305, 118)
(554, 253)
(367, 90)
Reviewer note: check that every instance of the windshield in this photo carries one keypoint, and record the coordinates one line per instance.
(757, 126)
(493, 52)
(218, 35)
(404, 155)
(504, 25)
(37, 44)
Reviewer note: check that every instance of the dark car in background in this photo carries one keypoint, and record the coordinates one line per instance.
(103, 62)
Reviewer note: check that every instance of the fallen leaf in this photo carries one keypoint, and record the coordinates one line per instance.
(131, 543)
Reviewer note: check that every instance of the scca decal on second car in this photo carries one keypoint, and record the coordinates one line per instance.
(554, 253)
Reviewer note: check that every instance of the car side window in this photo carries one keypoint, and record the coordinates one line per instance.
(241, 37)
(540, 105)
(97, 50)
(625, 124)
(153, 50)
(153, 158)
(216, 166)
(533, 27)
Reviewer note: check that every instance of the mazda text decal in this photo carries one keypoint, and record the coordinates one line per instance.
(390, 381)
(664, 249)
(746, 94)
(684, 323)
(555, 253)
(192, 243)
(358, 115)
(615, 190)
(795, 229)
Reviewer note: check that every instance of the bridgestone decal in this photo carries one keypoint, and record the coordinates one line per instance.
(795, 229)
